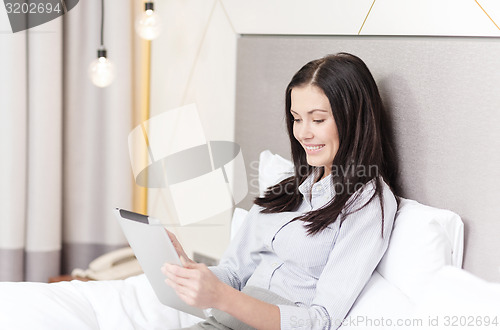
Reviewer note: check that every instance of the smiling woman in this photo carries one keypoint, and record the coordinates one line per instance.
(310, 244)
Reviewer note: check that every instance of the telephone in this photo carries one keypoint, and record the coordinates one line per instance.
(115, 265)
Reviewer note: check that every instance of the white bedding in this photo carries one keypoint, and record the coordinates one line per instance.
(423, 242)
(131, 304)
(124, 304)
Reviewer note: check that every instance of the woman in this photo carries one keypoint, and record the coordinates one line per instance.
(308, 247)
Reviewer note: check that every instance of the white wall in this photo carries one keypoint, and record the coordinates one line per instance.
(193, 61)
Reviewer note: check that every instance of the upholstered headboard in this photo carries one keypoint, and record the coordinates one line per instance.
(443, 98)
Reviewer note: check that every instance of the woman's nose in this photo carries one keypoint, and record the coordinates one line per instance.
(305, 131)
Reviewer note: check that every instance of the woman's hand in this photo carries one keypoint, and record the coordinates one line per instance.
(194, 283)
(177, 246)
(197, 286)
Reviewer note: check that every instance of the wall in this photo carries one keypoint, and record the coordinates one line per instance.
(194, 61)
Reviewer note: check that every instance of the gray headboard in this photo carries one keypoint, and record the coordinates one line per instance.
(443, 96)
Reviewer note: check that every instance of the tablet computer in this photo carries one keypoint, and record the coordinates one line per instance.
(152, 247)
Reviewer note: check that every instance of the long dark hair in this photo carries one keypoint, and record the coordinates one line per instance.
(365, 152)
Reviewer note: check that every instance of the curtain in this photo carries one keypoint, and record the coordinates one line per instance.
(65, 163)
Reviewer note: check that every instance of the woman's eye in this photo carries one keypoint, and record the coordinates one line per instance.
(295, 120)
(318, 120)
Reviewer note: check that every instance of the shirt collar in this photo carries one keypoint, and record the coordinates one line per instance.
(309, 188)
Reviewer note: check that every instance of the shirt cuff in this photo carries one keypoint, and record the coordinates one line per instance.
(223, 276)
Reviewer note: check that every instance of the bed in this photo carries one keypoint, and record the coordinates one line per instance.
(419, 282)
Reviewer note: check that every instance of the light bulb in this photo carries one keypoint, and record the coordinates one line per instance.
(148, 24)
(101, 70)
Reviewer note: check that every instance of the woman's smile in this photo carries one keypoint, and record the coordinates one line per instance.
(312, 149)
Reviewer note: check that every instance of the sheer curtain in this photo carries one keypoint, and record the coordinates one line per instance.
(63, 141)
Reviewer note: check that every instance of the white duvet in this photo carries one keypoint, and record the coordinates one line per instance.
(132, 304)
(123, 304)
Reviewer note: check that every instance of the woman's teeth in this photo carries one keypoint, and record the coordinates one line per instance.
(315, 147)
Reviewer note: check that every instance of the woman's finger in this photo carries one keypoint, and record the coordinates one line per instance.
(171, 235)
(178, 271)
(179, 289)
(188, 263)
(187, 299)
(184, 282)
(177, 245)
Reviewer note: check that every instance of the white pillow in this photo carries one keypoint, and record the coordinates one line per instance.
(424, 240)
(272, 169)
(458, 296)
(239, 216)
(379, 300)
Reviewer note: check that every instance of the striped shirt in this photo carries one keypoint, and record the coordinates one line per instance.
(322, 274)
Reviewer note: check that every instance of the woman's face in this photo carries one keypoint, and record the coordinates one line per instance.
(314, 126)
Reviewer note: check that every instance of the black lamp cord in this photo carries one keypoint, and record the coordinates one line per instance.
(102, 23)
(101, 52)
